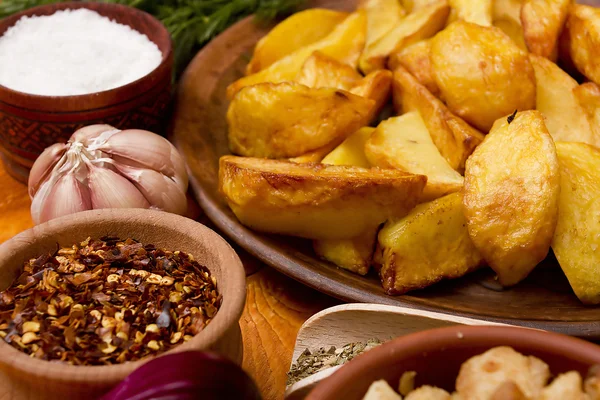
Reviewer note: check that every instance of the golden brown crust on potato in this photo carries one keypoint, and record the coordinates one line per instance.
(315, 201)
(430, 244)
(512, 184)
(543, 21)
(582, 37)
(481, 73)
(288, 119)
(454, 138)
(415, 59)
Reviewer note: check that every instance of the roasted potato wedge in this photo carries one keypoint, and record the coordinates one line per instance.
(477, 12)
(315, 201)
(507, 9)
(404, 143)
(323, 71)
(506, 15)
(414, 5)
(482, 74)
(513, 30)
(314, 156)
(512, 183)
(454, 138)
(415, 58)
(577, 237)
(320, 70)
(376, 86)
(351, 254)
(260, 124)
(352, 150)
(345, 44)
(299, 30)
(542, 22)
(582, 30)
(430, 244)
(382, 16)
(588, 95)
(565, 118)
(420, 24)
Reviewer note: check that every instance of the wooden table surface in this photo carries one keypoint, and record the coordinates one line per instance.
(276, 306)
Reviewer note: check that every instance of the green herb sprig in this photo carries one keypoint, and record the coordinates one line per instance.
(192, 23)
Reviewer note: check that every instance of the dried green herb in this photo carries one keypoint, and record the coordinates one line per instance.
(311, 362)
(511, 117)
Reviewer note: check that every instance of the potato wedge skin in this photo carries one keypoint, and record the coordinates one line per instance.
(260, 124)
(420, 24)
(543, 21)
(482, 74)
(382, 16)
(415, 59)
(430, 244)
(477, 12)
(512, 185)
(376, 86)
(351, 254)
(454, 138)
(320, 70)
(345, 44)
(513, 30)
(582, 30)
(588, 95)
(314, 201)
(577, 236)
(404, 143)
(299, 30)
(564, 116)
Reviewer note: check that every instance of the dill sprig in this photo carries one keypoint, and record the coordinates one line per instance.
(192, 23)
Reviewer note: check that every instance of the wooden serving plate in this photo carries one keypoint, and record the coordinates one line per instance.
(199, 130)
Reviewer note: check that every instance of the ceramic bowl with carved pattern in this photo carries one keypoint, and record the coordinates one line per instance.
(29, 123)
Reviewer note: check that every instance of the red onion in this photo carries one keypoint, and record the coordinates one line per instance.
(188, 375)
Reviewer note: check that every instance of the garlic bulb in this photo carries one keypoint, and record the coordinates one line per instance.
(103, 167)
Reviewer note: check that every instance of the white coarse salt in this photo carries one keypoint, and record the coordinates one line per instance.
(73, 52)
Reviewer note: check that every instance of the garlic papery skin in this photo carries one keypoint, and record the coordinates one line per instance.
(103, 167)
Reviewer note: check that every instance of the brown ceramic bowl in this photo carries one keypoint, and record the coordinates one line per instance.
(436, 355)
(30, 123)
(170, 231)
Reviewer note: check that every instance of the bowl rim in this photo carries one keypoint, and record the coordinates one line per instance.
(96, 100)
(417, 343)
(227, 318)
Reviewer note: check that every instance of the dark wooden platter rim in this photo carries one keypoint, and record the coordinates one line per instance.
(199, 130)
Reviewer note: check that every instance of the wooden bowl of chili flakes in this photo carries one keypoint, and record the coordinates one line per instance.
(88, 298)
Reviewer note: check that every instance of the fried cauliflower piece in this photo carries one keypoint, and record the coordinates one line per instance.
(481, 376)
(564, 386)
(428, 393)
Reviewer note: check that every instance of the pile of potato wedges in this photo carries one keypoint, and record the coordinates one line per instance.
(426, 139)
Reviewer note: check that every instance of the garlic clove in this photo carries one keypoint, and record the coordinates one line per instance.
(108, 189)
(67, 196)
(144, 148)
(181, 176)
(88, 133)
(160, 190)
(39, 199)
(43, 166)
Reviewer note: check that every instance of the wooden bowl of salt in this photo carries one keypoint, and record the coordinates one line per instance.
(110, 77)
